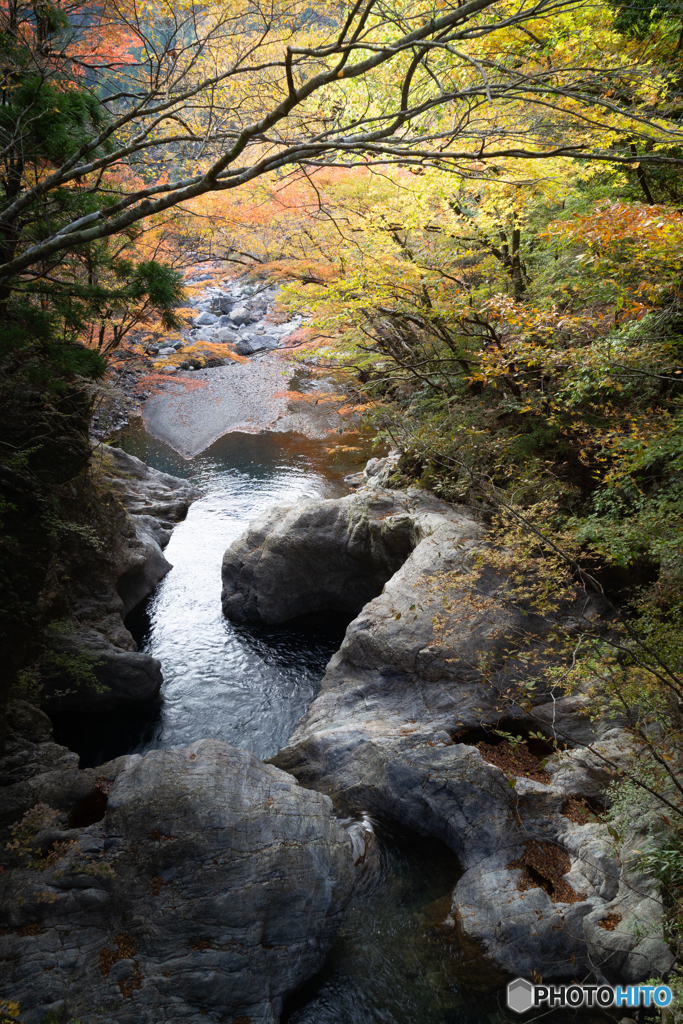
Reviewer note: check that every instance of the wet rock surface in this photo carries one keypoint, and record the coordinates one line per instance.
(115, 578)
(201, 884)
(396, 727)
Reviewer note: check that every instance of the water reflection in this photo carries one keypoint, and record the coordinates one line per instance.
(393, 962)
(246, 686)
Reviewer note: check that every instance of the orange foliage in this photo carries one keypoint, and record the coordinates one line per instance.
(274, 222)
(634, 246)
(157, 384)
(311, 397)
(658, 226)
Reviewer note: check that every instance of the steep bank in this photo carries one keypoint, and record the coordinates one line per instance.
(81, 537)
(43, 458)
(107, 583)
(100, 574)
(397, 730)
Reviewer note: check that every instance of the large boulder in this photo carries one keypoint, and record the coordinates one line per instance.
(397, 727)
(242, 314)
(324, 554)
(205, 319)
(250, 343)
(207, 887)
(143, 490)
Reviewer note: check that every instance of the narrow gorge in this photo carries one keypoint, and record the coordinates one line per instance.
(292, 787)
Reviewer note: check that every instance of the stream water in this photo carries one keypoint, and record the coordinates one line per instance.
(392, 962)
(248, 686)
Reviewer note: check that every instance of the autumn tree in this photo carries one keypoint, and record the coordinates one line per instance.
(230, 92)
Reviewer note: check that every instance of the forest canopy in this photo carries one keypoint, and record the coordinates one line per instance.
(114, 113)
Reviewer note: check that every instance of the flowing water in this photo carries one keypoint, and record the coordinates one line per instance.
(393, 962)
(243, 684)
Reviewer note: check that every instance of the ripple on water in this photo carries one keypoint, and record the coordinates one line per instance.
(247, 686)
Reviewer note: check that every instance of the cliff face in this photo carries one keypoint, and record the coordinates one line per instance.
(44, 454)
(81, 538)
(134, 508)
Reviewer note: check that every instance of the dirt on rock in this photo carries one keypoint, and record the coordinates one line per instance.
(514, 760)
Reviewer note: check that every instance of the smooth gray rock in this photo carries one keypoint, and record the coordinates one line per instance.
(250, 343)
(212, 889)
(242, 315)
(261, 342)
(143, 490)
(315, 555)
(146, 568)
(226, 336)
(124, 678)
(376, 472)
(205, 319)
(633, 948)
(388, 732)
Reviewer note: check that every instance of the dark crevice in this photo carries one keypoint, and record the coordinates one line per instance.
(138, 622)
(89, 810)
(540, 748)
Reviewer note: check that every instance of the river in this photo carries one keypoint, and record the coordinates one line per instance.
(392, 962)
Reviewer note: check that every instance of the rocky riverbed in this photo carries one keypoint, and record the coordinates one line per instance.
(238, 364)
(202, 883)
(404, 728)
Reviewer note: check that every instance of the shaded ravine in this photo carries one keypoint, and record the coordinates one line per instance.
(247, 686)
(392, 963)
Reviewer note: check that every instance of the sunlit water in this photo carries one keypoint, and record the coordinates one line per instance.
(243, 685)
